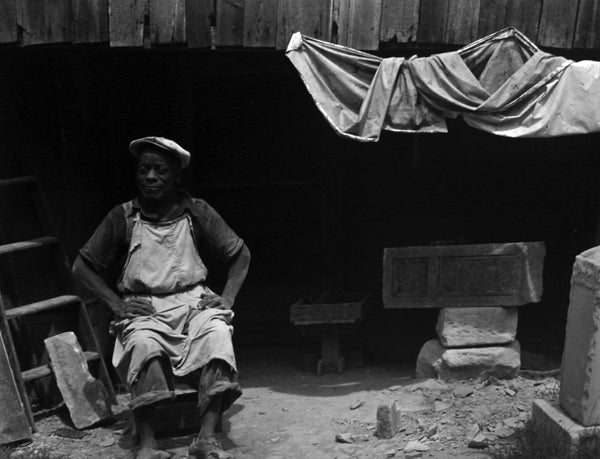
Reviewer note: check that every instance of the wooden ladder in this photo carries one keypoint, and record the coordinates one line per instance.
(10, 312)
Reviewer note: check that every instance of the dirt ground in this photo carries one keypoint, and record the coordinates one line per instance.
(286, 412)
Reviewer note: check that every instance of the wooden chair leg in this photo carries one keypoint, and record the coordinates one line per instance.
(104, 375)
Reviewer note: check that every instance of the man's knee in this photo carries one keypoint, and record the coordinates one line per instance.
(220, 328)
(143, 339)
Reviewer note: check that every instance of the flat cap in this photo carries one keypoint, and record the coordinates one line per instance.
(137, 146)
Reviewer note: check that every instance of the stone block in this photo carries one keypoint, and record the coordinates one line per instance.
(463, 275)
(460, 327)
(387, 421)
(85, 397)
(553, 420)
(580, 372)
(435, 360)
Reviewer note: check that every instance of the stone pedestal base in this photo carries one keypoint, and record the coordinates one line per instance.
(553, 420)
(485, 326)
(435, 360)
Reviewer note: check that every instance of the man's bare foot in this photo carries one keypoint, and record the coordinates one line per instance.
(151, 453)
(208, 448)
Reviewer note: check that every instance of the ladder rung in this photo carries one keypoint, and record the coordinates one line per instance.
(44, 370)
(26, 245)
(41, 306)
(16, 181)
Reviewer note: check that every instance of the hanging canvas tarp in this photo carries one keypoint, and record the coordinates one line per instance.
(501, 84)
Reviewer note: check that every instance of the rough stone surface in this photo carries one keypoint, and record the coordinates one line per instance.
(552, 418)
(435, 360)
(13, 421)
(507, 274)
(460, 327)
(580, 372)
(85, 397)
(387, 421)
(414, 445)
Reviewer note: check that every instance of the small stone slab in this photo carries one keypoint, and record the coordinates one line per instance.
(551, 418)
(435, 360)
(415, 445)
(387, 421)
(85, 397)
(580, 372)
(461, 327)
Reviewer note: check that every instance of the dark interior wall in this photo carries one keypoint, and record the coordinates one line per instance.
(315, 209)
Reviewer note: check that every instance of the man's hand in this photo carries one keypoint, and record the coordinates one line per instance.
(134, 307)
(214, 301)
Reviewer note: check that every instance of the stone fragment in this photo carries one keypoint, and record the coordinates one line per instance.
(359, 438)
(387, 421)
(357, 405)
(389, 453)
(513, 423)
(415, 445)
(463, 391)
(580, 372)
(435, 360)
(460, 327)
(431, 431)
(413, 455)
(85, 397)
(493, 381)
(106, 441)
(503, 432)
(67, 432)
(343, 438)
(439, 405)
(478, 442)
(472, 431)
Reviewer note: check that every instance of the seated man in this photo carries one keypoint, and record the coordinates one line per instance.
(168, 323)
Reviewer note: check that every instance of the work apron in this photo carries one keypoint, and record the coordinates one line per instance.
(163, 266)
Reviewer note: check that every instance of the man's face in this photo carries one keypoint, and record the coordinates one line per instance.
(157, 176)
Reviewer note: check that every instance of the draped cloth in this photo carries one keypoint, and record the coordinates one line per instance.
(501, 84)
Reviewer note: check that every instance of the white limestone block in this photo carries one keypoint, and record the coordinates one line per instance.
(461, 327)
(467, 363)
(580, 372)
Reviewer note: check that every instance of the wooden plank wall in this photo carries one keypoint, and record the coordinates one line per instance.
(43, 21)
(8, 21)
(362, 24)
(311, 16)
(587, 31)
(167, 21)
(89, 21)
(399, 21)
